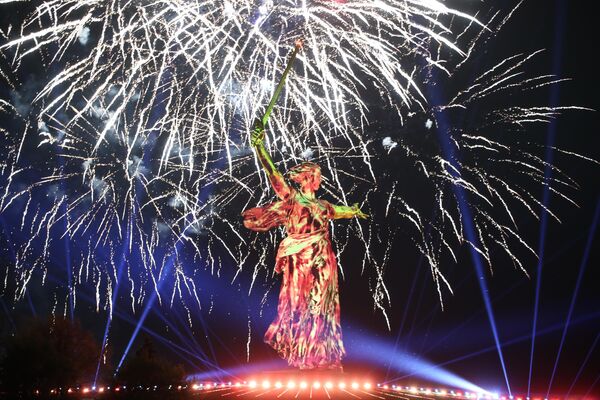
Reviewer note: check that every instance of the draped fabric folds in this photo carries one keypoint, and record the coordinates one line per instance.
(306, 331)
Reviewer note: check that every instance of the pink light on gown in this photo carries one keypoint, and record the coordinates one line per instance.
(306, 331)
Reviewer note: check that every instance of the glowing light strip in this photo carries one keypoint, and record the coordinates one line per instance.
(302, 385)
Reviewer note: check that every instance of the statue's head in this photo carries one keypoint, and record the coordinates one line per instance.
(307, 175)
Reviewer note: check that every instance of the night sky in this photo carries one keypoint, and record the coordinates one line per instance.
(457, 338)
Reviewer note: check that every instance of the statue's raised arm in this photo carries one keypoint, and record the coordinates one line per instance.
(281, 187)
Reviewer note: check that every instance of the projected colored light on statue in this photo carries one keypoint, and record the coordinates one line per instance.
(306, 331)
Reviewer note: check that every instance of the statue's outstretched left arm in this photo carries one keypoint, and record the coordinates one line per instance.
(340, 211)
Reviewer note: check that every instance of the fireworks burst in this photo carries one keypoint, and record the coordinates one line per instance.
(141, 132)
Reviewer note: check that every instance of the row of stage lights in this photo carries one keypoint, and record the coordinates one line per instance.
(301, 385)
(458, 394)
(106, 389)
(266, 384)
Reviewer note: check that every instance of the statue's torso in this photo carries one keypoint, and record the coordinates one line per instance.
(306, 215)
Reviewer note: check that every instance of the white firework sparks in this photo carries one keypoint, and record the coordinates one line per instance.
(147, 114)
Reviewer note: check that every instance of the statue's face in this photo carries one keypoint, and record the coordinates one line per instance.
(312, 182)
(307, 176)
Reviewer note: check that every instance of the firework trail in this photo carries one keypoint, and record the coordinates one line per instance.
(141, 132)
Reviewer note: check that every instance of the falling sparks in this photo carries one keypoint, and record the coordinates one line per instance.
(248, 341)
(143, 126)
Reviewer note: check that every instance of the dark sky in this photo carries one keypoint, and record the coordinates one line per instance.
(460, 335)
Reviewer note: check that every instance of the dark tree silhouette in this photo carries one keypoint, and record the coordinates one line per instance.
(46, 354)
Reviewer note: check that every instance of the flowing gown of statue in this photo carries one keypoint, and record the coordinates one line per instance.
(306, 331)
